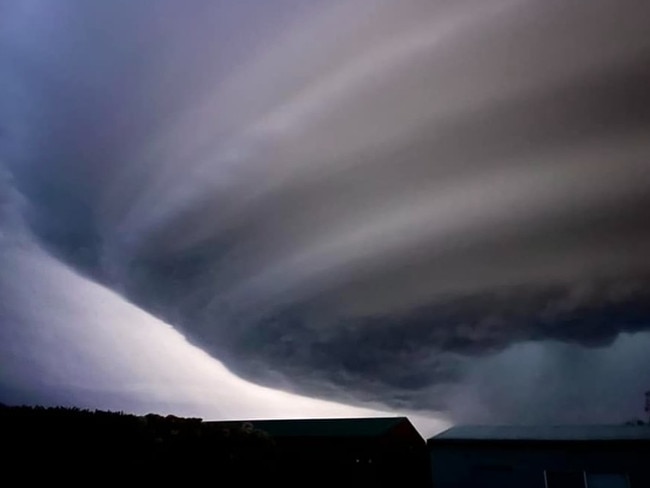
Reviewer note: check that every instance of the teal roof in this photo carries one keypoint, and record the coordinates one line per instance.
(544, 433)
(336, 427)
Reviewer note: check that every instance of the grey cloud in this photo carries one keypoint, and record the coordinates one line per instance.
(419, 355)
(561, 383)
(363, 200)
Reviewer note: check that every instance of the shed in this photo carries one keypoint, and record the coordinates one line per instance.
(386, 451)
(586, 456)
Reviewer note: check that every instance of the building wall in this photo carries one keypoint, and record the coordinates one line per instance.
(490, 464)
(354, 462)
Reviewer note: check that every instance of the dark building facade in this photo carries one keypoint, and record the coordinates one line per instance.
(541, 457)
(379, 452)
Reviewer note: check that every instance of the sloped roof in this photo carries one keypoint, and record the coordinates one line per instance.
(331, 427)
(544, 433)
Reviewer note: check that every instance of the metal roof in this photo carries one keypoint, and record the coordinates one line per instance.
(544, 433)
(331, 427)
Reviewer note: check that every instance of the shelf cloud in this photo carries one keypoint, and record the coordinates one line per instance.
(407, 205)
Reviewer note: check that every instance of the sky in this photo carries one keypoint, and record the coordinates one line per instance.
(248, 209)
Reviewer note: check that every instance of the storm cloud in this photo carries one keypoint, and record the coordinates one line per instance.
(368, 201)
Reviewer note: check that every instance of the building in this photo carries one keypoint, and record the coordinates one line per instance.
(345, 452)
(541, 457)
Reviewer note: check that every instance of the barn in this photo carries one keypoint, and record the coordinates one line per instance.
(541, 457)
(378, 452)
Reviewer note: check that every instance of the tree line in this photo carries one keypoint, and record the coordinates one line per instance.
(73, 443)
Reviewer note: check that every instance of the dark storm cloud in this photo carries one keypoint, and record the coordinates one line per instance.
(419, 354)
(362, 200)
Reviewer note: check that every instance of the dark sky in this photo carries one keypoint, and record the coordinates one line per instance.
(242, 209)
